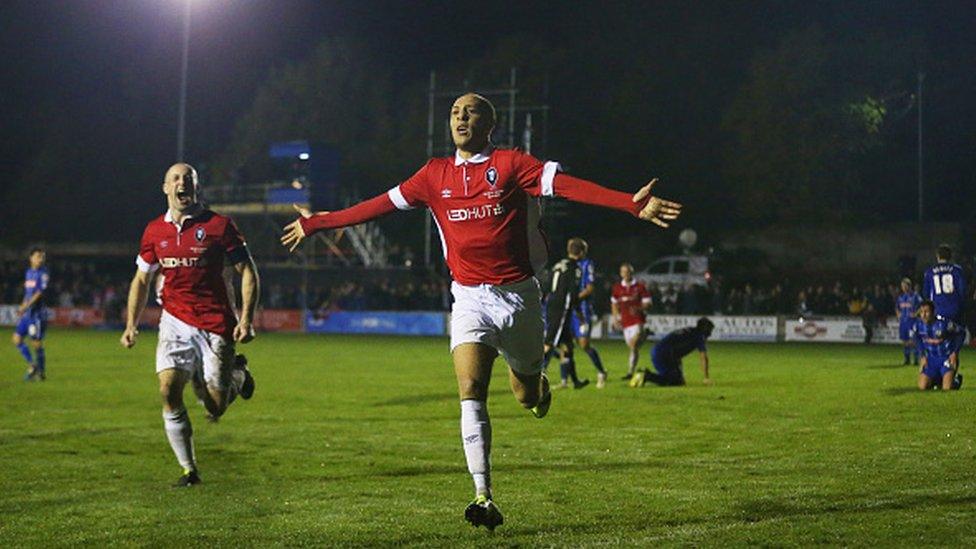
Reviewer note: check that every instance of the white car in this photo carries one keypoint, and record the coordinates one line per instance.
(676, 270)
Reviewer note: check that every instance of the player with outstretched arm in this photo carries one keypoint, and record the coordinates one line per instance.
(190, 245)
(483, 200)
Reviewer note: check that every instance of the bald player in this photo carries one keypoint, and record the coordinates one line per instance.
(190, 245)
(484, 202)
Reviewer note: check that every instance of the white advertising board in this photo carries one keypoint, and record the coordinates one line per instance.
(727, 328)
(849, 330)
(8, 315)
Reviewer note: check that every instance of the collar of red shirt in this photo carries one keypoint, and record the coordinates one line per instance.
(169, 215)
(626, 285)
(483, 156)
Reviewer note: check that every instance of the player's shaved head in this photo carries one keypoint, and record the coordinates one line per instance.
(472, 121)
(180, 187)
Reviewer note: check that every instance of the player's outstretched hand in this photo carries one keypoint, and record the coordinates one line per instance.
(243, 332)
(294, 233)
(128, 338)
(657, 210)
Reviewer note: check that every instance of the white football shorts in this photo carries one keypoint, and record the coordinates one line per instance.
(507, 317)
(632, 332)
(194, 350)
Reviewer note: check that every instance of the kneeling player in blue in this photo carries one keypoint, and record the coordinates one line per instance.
(938, 343)
(33, 317)
(667, 354)
(906, 304)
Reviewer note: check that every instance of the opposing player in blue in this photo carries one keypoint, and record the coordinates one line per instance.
(33, 317)
(938, 342)
(907, 304)
(667, 354)
(945, 285)
(577, 249)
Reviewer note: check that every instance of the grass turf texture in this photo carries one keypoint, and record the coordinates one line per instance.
(355, 441)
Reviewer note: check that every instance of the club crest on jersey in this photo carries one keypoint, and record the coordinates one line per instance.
(491, 176)
(164, 244)
(200, 234)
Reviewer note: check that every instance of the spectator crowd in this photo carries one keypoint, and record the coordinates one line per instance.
(105, 285)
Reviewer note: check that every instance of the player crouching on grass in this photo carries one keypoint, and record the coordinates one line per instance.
(938, 344)
(667, 354)
(198, 328)
(483, 200)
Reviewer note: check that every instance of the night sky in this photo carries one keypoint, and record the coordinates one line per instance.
(99, 79)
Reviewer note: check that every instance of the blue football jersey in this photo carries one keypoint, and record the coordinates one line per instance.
(587, 277)
(35, 281)
(937, 340)
(906, 305)
(945, 285)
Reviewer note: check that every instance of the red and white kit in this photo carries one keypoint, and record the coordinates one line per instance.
(486, 212)
(196, 329)
(631, 299)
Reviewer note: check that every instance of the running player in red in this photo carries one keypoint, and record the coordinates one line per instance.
(189, 244)
(629, 301)
(483, 200)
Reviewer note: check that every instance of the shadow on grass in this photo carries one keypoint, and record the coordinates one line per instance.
(407, 400)
(898, 391)
(770, 509)
(890, 366)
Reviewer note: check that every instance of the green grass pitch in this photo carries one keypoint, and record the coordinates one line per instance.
(355, 441)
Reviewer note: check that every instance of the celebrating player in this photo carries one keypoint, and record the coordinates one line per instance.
(629, 302)
(562, 306)
(667, 354)
(906, 304)
(938, 342)
(33, 317)
(945, 285)
(578, 249)
(482, 200)
(199, 327)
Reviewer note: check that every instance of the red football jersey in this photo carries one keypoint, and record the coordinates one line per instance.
(631, 300)
(486, 211)
(192, 260)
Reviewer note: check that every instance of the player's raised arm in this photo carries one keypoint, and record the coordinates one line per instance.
(641, 204)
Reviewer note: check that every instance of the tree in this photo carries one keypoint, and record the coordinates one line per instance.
(807, 121)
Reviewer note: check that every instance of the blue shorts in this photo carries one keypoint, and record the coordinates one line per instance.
(32, 325)
(580, 330)
(905, 329)
(936, 367)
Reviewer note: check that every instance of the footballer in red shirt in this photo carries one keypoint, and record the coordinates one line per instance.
(484, 202)
(629, 301)
(189, 246)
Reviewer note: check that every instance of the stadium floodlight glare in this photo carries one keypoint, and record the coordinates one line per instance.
(181, 115)
(303, 156)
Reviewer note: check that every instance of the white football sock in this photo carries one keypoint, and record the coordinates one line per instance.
(180, 435)
(476, 438)
(634, 355)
